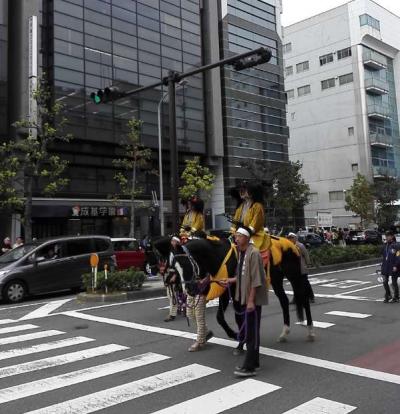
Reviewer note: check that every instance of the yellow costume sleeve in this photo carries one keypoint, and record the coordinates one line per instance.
(236, 217)
(185, 222)
(198, 222)
(255, 218)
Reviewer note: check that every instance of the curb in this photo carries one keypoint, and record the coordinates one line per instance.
(344, 266)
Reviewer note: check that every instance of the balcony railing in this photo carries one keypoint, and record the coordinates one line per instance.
(379, 111)
(380, 140)
(376, 86)
(374, 60)
(380, 172)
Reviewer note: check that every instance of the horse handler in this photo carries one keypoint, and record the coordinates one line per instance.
(250, 294)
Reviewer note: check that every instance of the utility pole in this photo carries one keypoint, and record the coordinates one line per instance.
(239, 62)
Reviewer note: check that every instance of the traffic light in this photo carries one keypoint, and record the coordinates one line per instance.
(105, 95)
(258, 58)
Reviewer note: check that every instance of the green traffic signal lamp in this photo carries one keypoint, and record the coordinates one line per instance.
(97, 98)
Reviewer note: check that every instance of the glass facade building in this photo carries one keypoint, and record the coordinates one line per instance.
(91, 44)
(253, 99)
(3, 69)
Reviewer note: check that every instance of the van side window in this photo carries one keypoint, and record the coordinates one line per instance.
(101, 245)
(49, 252)
(77, 247)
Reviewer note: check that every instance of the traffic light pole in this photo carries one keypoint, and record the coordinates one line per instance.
(238, 61)
(173, 147)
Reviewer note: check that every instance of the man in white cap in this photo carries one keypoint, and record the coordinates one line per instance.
(251, 294)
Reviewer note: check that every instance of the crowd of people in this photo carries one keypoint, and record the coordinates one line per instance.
(7, 245)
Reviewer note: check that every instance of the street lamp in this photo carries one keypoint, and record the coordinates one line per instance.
(181, 84)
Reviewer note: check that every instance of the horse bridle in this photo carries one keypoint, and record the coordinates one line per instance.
(194, 264)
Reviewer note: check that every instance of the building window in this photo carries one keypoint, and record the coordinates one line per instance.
(367, 20)
(304, 90)
(328, 83)
(313, 198)
(348, 78)
(287, 47)
(344, 53)
(324, 59)
(289, 70)
(301, 67)
(350, 131)
(336, 195)
(290, 93)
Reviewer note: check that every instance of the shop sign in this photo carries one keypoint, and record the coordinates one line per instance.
(98, 211)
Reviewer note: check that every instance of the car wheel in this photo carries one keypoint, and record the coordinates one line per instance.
(14, 291)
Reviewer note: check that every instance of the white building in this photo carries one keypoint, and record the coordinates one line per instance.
(343, 86)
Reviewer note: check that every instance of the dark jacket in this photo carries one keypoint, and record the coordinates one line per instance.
(390, 258)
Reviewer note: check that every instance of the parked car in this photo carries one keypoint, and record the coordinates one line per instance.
(129, 253)
(364, 237)
(311, 240)
(51, 265)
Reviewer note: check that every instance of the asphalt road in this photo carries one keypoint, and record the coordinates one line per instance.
(59, 356)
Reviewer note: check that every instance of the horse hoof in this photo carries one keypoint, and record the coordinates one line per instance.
(285, 332)
(311, 335)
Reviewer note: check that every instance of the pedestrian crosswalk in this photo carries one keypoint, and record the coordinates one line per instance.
(34, 377)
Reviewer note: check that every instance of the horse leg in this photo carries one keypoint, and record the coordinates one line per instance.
(222, 305)
(277, 285)
(296, 281)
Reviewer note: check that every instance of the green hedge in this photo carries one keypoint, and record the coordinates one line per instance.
(329, 255)
(117, 280)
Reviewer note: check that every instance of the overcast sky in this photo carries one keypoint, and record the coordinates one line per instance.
(296, 10)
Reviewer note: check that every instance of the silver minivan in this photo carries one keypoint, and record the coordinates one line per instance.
(51, 265)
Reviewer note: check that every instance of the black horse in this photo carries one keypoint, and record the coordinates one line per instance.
(203, 257)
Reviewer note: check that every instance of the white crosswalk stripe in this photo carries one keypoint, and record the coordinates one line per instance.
(7, 321)
(317, 324)
(223, 399)
(349, 314)
(75, 377)
(59, 360)
(228, 397)
(321, 405)
(29, 337)
(130, 391)
(17, 328)
(48, 346)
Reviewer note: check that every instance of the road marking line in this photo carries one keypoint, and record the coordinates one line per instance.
(346, 284)
(336, 296)
(45, 309)
(359, 290)
(127, 392)
(29, 337)
(210, 304)
(317, 324)
(349, 314)
(10, 329)
(76, 377)
(222, 399)
(321, 405)
(343, 270)
(34, 349)
(6, 321)
(288, 356)
(58, 360)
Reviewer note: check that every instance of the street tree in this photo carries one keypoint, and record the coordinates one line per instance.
(135, 163)
(197, 179)
(286, 192)
(360, 199)
(386, 192)
(29, 162)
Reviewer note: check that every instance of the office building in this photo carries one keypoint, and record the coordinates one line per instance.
(342, 79)
(86, 45)
(253, 99)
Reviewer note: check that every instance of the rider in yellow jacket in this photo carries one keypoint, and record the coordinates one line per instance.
(251, 214)
(193, 221)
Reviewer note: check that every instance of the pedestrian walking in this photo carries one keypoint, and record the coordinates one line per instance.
(390, 267)
(250, 294)
(305, 263)
(6, 245)
(18, 242)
